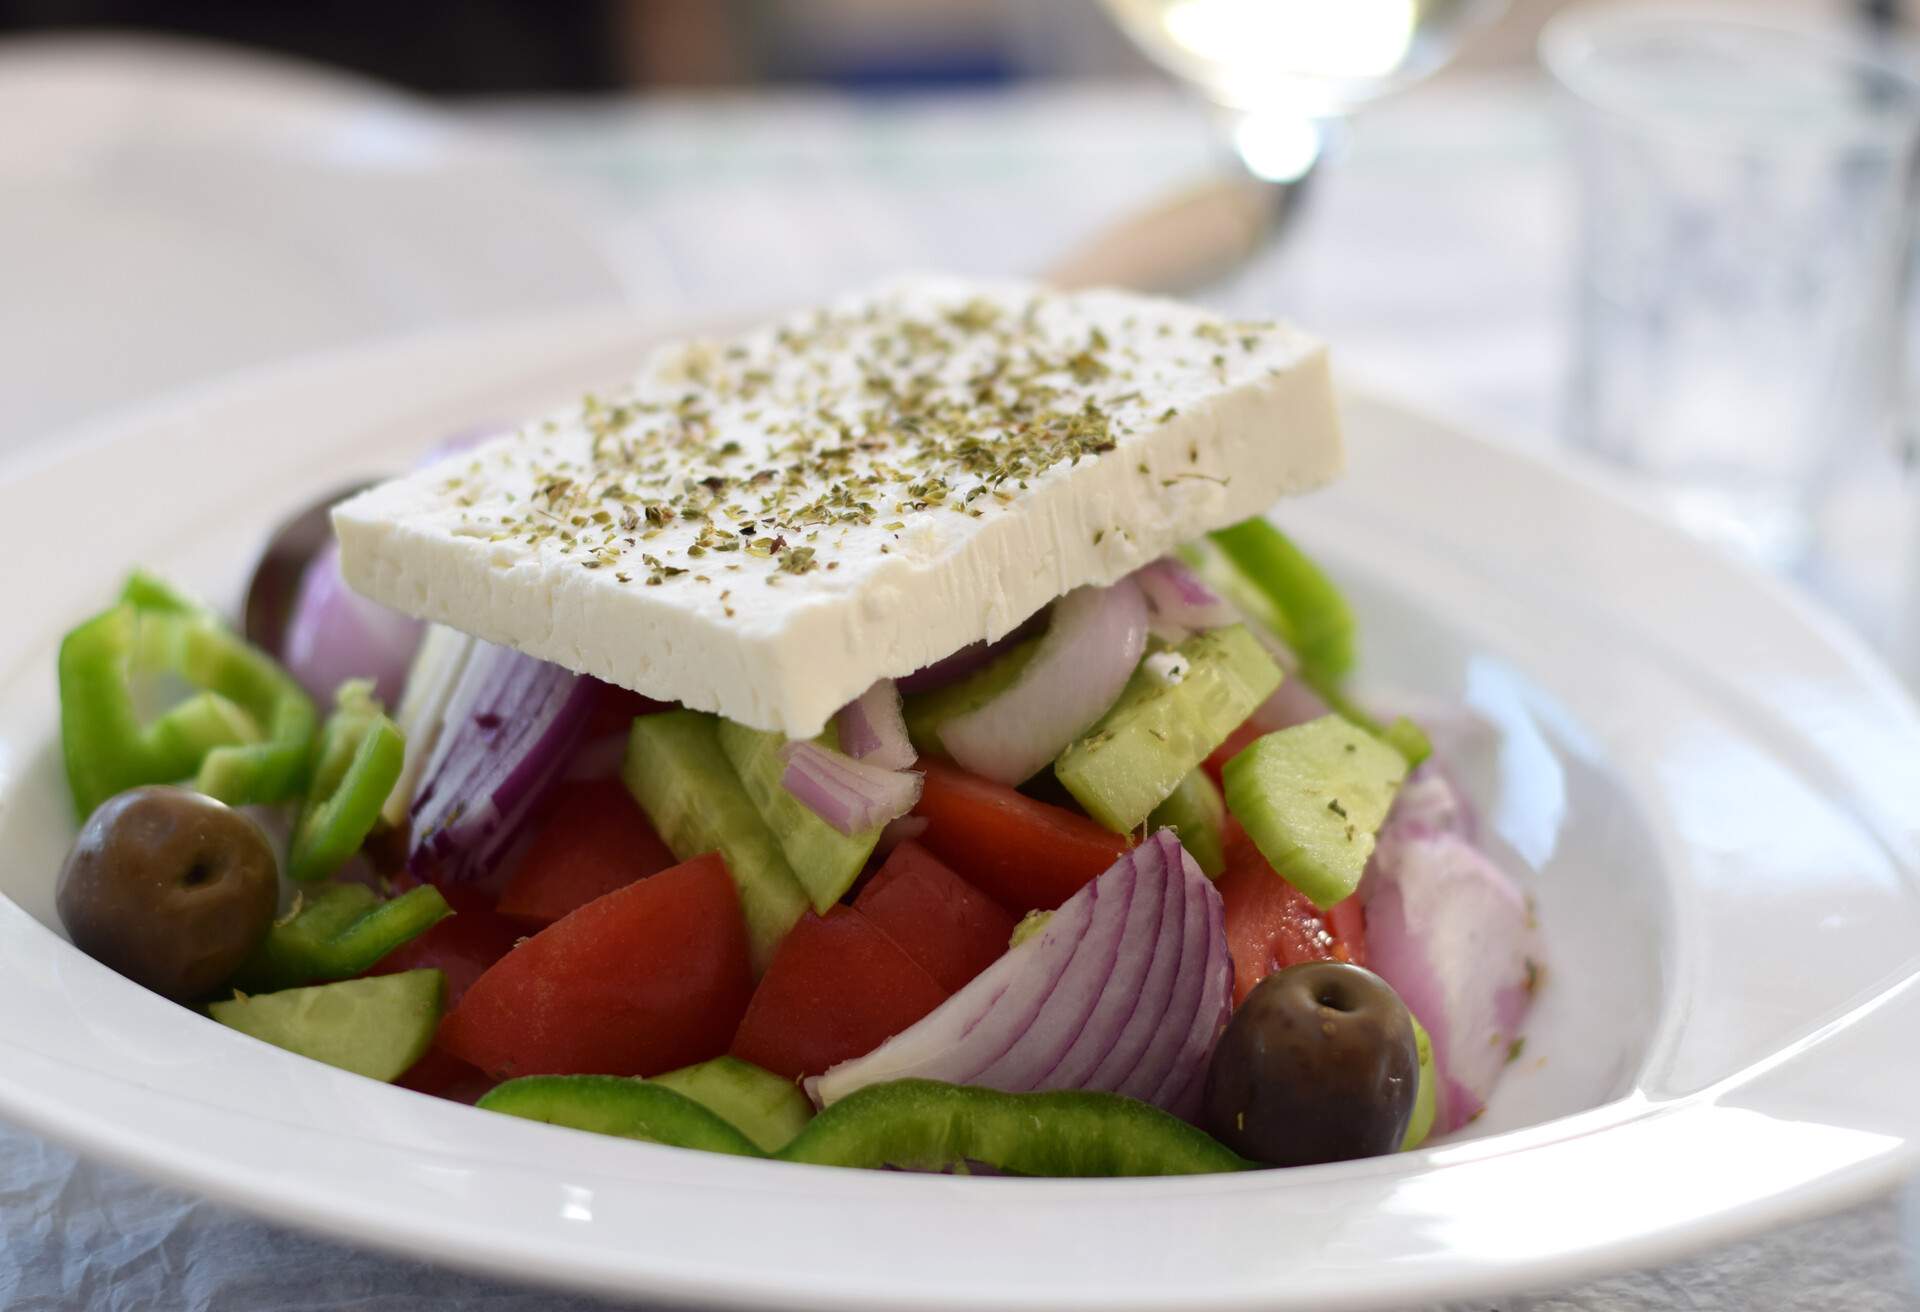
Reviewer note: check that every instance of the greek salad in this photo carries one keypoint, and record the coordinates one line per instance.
(1138, 886)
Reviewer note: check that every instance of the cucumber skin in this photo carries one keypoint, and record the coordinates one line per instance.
(1426, 1100)
(1312, 798)
(824, 860)
(615, 1105)
(926, 1125)
(769, 1109)
(1197, 815)
(1136, 755)
(682, 779)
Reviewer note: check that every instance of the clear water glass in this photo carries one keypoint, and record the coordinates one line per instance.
(1747, 200)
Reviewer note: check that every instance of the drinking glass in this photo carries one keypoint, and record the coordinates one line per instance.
(1282, 68)
(1746, 196)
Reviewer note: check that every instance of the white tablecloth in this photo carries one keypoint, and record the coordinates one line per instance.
(1434, 255)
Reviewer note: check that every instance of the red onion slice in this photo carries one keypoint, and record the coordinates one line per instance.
(873, 730)
(1452, 934)
(336, 634)
(850, 795)
(1089, 652)
(1126, 987)
(508, 731)
(1179, 602)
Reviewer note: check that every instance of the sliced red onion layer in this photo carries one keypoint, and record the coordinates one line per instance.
(850, 795)
(1179, 602)
(509, 728)
(1293, 702)
(1125, 990)
(336, 634)
(1091, 647)
(1453, 935)
(873, 730)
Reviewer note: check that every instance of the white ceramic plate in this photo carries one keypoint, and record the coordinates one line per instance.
(1717, 798)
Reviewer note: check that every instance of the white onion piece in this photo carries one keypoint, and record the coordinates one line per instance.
(907, 828)
(1454, 937)
(873, 730)
(1429, 804)
(1179, 602)
(435, 673)
(1126, 990)
(336, 634)
(1091, 647)
(509, 728)
(850, 795)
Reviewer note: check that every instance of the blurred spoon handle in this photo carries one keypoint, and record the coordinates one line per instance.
(1184, 241)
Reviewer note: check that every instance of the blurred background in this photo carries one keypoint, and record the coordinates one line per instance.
(1676, 238)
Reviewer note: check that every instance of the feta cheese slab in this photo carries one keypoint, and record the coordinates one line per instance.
(765, 526)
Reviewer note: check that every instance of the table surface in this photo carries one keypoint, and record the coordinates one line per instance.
(1434, 254)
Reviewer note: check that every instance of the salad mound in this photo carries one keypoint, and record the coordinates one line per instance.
(1141, 888)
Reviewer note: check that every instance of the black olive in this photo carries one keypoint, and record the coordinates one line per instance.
(170, 888)
(1319, 1064)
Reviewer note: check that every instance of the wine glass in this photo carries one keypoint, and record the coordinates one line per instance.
(1283, 69)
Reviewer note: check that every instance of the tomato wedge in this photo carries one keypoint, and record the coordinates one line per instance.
(1024, 854)
(645, 979)
(593, 839)
(837, 987)
(1272, 925)
(951, 928)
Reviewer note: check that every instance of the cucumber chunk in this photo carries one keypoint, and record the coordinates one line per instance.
(769, 1109)
(1198, 818)
(1311, 798)
(928, 712)
(681, 777)
(1136, 755)
(373, 1027)
(824, 860)
(611, 1104)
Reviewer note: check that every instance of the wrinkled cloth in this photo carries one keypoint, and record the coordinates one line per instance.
(76, 1234)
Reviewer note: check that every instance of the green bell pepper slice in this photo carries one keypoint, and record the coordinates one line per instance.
(243, 737)
(355, 764)
(341, 931)
(1313, 616)
(149, 591)
(926, 1125)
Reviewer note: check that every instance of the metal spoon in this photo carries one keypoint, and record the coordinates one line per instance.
(271, 592)
(1186, 241)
